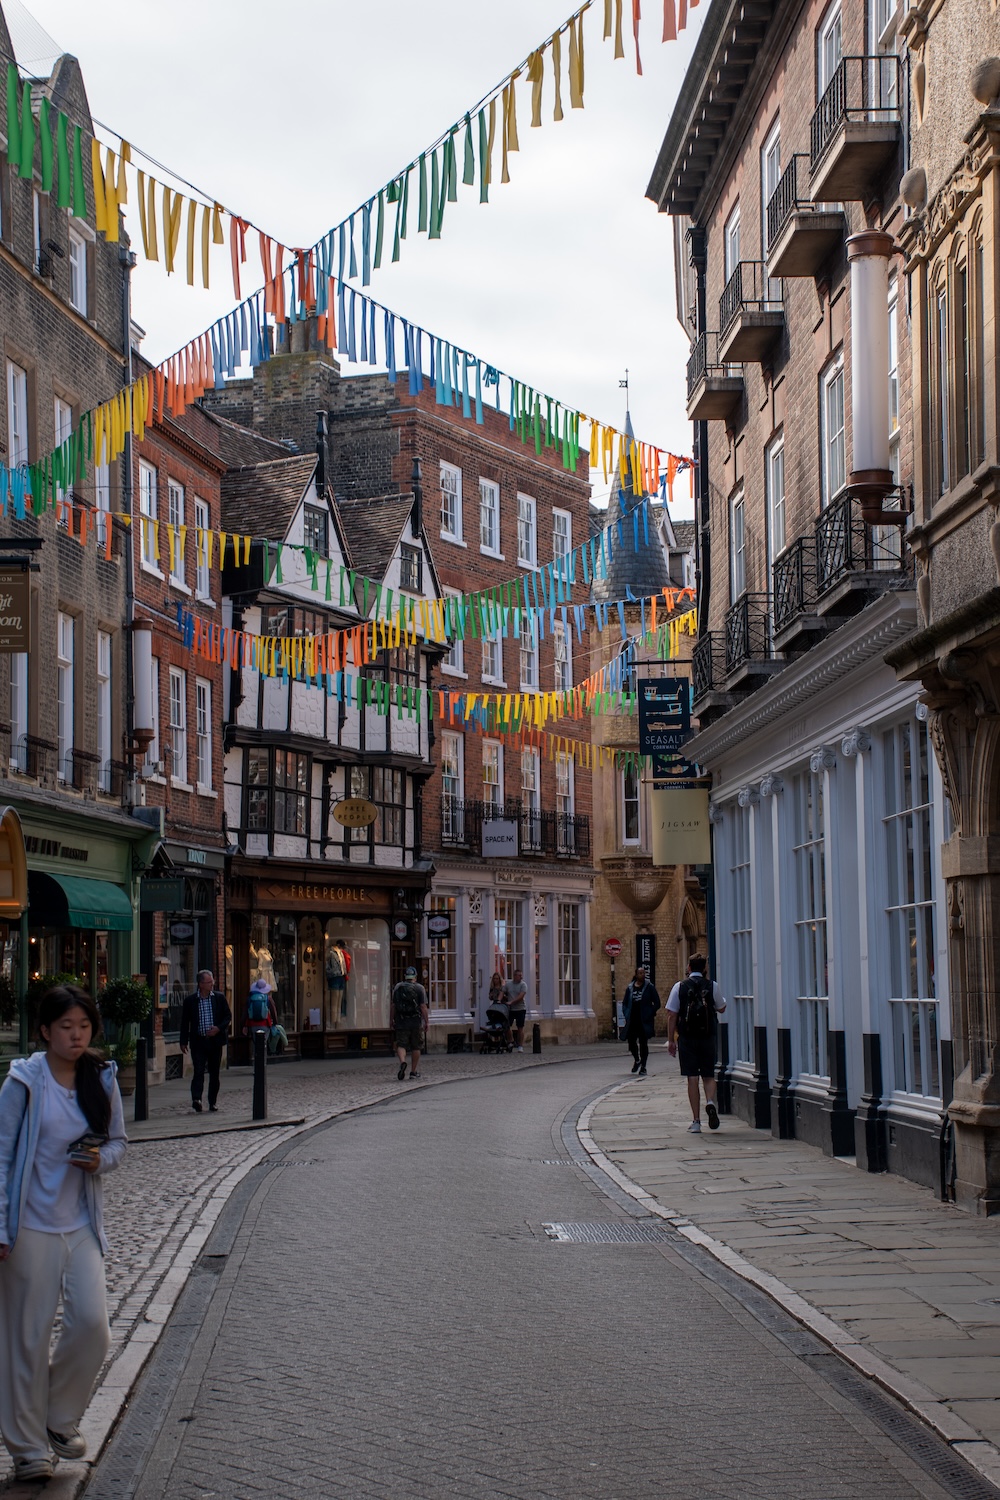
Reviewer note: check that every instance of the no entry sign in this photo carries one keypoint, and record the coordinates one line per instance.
(612, 947)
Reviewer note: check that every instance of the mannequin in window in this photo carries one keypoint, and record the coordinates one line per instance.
(338, 970)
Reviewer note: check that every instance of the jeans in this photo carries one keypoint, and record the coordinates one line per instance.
(206, 1053)
(638, 1042)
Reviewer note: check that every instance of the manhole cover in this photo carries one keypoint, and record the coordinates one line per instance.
(614, 1232)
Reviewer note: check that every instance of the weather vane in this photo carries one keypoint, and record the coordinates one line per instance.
(623, 385)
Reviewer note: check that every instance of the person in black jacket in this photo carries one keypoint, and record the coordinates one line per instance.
(205, 1022)
(639, 1008)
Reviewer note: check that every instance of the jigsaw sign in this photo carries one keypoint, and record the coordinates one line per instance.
(664, 715)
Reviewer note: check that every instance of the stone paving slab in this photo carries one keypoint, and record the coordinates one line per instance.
(182, 1167)
(900, 1282)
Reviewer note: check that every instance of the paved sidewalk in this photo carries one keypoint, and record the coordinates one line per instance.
(906, 1287)
(181, 1169)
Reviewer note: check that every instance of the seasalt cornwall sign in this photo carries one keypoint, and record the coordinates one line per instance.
(15, 608)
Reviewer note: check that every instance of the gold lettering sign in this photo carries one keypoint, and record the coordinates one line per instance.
(15, 610)
(355, 812)
(329, 893)
(681, 834)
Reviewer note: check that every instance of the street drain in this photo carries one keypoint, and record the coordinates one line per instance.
(555, 1161)
(613, 1232)
(214, 1263)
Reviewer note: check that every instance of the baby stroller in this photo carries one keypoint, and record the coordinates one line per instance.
(496, 1032)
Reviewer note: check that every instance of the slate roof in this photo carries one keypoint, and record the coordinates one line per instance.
(261, 499)
(239, 446)
(684, 532)
(373, 528)
(642, 570)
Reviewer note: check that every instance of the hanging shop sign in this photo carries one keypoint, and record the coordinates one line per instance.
(645, 954)
(182, 932)
(664, 715)
(161, 894)
(15, 611)
(355, 812)
(681, 830)
(401, 930)
(500, 839)
(439, 924)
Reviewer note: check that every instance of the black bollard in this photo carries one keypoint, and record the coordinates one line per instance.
(536, 1038)
(259, 1074)
(141, 1081)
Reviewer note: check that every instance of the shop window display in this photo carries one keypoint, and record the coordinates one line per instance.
(332, 976)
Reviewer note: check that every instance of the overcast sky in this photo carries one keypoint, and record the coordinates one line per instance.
(292, 115)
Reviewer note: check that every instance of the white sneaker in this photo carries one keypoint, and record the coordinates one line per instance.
(694, 1128)
(68, 1444)
(33, 1468)
(520, 1049)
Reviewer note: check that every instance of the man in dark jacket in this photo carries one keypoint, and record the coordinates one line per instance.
(639, 1008)
(205, 1022)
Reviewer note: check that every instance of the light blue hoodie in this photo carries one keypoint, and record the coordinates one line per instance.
(20, 1118)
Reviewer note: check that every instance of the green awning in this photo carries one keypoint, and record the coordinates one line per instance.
(77, 901)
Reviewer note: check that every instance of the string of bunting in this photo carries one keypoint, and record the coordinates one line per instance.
(63, 146)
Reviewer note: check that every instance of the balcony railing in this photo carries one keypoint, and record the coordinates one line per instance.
(708, 664)
(794, 581)
(785, 199)
(703, 356)
(845, 544)
(747, 290)
(565, 835)
(81, 769)
(864, 89)
(35, 757)
(748, 631)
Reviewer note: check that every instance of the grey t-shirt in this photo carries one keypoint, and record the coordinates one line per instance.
(514, 993)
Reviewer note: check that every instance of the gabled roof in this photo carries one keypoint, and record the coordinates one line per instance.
(373, 528)
(240, 446)
(684, 535)
(261, 499)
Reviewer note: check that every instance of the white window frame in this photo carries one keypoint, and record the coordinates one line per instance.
(628, 779)
(528, 656)
(62, 428)
(36, 230)
(774, 476)
(527, 531)
(105, 709)
(565, 803)
(562, 537)
(731, 243)
(65, 692)
(569, 955)
(451, 507)
(562, 651)
(202, 572)
(452, 784)
(177, 698)
(148, 513)
(17, 415)
(203, 733)
(78, 289)
(102, 500)
(811, 923)
(175, 518)
(829, 47)
(19, 705)
(153, 756)
(741, 935)
(493, 784)
(454, 662)
(489, 518)
(737, 546)
(493, 659)
(531, 798)
(833, 430)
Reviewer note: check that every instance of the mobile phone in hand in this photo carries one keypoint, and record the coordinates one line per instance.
(82, 1150)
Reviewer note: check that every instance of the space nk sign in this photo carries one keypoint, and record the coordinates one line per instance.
(500, 839)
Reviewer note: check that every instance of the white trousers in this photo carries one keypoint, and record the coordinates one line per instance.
(37, 1392)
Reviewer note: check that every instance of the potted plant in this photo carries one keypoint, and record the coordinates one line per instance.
(39, 986)
(125, 1002)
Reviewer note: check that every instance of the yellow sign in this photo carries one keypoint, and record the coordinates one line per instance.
(355, 812)
(681, 833)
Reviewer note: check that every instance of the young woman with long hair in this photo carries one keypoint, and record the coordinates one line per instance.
(61, 1128)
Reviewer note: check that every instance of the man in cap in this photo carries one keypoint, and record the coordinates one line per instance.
(409, 1017)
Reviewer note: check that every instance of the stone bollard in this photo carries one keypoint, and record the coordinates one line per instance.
(259, 1074)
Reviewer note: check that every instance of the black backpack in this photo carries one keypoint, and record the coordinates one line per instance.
(407, 1001)
(696, 1019)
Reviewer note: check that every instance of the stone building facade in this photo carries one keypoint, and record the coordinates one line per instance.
(782, 166)
(951, 253)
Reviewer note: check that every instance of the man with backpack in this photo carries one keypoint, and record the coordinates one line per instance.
(409, 1018)
(692, 1009)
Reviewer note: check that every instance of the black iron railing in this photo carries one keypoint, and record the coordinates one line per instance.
(793, 579)
(81, 769)
(846, 544)
(699, 359)
(748, 631)
(862, 88)
(708, 664)
(566, 835)
(748, 289)
(785, 199)
(35, 757)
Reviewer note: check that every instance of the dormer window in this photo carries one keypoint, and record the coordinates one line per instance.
(410, 569)
(316, 530)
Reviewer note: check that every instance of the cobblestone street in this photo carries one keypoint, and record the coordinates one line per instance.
(400, 1305)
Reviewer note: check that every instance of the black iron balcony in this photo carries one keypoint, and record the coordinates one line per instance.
(800, 235)
(855, 128)
(713, 391)
(708, 665)
(852, 556)
(751, 315)
(35, 757)
(561, 835)
(748, 633)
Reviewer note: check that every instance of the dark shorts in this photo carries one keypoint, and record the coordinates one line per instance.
(410, 1034)
(696, 1056)
(517, 1019)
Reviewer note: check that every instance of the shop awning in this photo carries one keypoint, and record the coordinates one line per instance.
(77, 901)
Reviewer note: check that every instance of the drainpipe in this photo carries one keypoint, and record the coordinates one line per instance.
(698, 251)
(127, 259)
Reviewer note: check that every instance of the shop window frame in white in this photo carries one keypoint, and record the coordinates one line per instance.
(177, 699)
(65, 693)
(910, 903)
(451, 503)
(527, 531)
(104, 710)
(442, 963)
(508, 936)
(489, 518)
(569, 956)
(741, 1032)
(810, 921)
